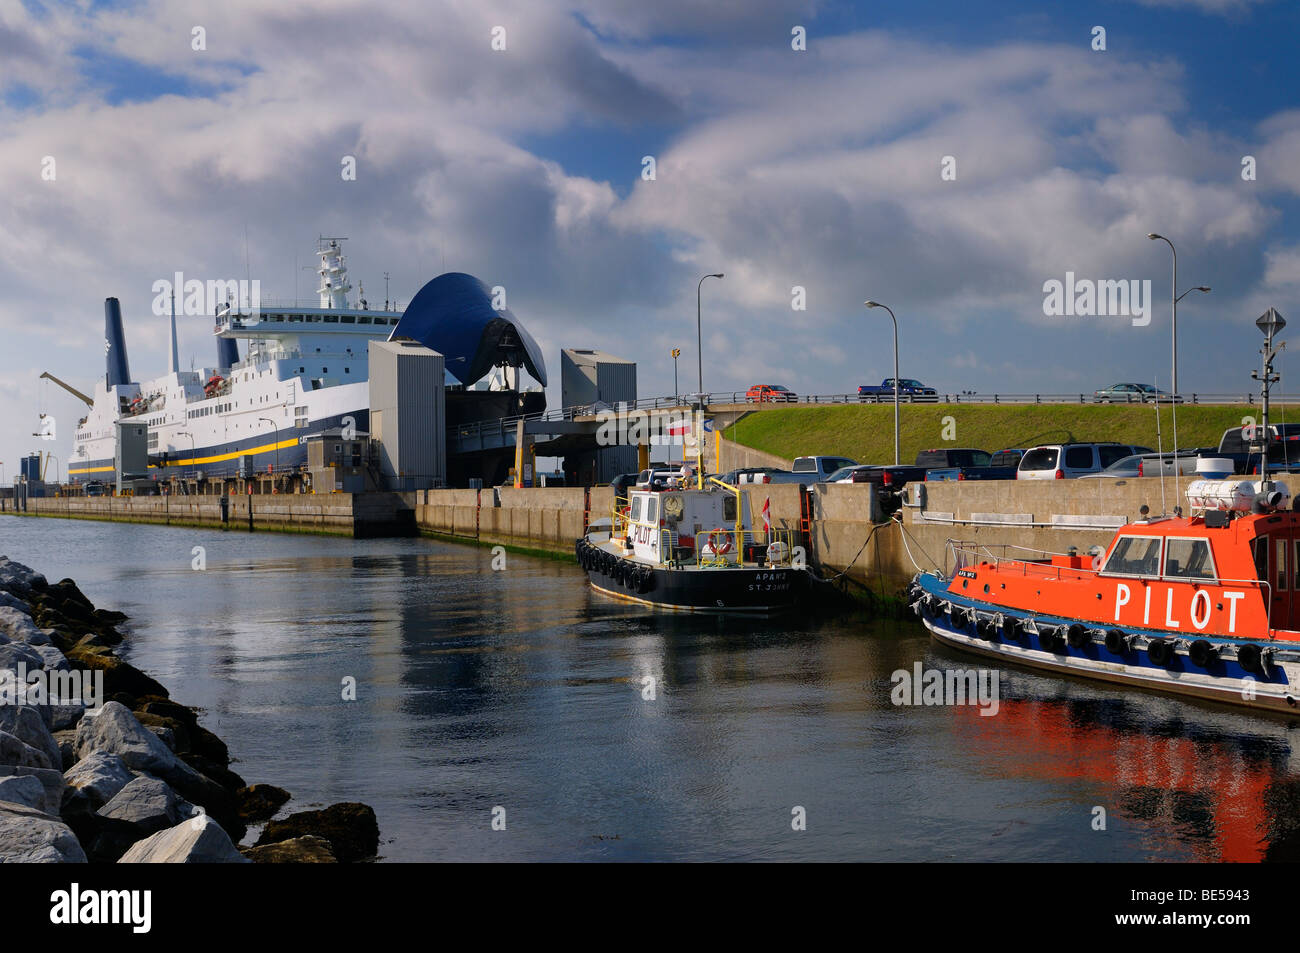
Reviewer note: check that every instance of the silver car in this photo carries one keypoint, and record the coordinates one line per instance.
(1146, 465)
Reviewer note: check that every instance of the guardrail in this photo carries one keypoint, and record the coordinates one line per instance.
(688, 401)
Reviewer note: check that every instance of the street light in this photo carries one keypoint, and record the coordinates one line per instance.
(676, 353)
(699, 339)
(277, 447)
(1174, 298)
(876, 304)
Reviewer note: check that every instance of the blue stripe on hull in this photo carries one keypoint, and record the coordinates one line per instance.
(288, 456)
(1223, 680)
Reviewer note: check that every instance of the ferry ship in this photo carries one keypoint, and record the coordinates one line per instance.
(691, 550)
(1205, 605)
(304, 370)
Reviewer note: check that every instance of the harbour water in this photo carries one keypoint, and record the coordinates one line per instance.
(519, 688)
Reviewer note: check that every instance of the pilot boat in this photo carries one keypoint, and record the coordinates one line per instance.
(1205, 605)
(692, 550)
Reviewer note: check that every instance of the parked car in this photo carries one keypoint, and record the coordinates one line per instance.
(1007, 458)
(907, 387)
(1065, 461)
(762, 393)
(95, 488)
(820, 468)
(962, 464)
(738, 475)
(1149, 464)
(1133, 393)
(889, 482)
(1283, 448)
(845, 474)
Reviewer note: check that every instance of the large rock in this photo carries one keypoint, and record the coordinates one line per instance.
(29, 836)
(197, 841)
(119, 676)
(16, 752)
(19, 579)
(28, 725)
(350, 827)
(95, 780)
(25, 789)
(259, 802)
(297, 850)
(11, 653)
(117, 731)
(51, 782)
(8, 599)
(148, 804)
(17, 626)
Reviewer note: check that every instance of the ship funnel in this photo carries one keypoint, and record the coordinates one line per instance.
(227, 353)
(118, 371)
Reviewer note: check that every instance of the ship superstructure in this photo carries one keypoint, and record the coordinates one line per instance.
(304, 370)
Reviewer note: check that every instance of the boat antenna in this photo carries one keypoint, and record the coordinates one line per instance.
(385, 291)
(1160, 452)
(248, 271)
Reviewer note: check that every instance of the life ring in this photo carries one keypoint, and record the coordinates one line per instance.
(1116, 642)
(710, 541)
(1202, 653)
(1160, 652)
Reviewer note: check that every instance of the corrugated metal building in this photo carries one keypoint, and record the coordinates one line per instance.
(408, 409)
(591, 378)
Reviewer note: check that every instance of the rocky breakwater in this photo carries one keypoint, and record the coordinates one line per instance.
(98, 764)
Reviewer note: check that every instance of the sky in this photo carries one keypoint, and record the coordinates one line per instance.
(948, 159)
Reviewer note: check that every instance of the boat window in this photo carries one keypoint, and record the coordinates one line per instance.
(1188, 559)
(1260, 547)
(636, 508)
(1279, 569)
(729, 509)
(1135, 555)
(651, 511)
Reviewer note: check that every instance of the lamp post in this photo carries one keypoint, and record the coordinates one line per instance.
(676, 353)
(699, 338)
(876, 304)
(1174, 298)
(277, 448)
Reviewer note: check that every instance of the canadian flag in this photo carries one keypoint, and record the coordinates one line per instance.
(767, 517)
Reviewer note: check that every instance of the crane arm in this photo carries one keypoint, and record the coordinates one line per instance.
(70, 389)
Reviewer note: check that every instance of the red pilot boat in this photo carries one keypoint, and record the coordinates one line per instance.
(1206, 605)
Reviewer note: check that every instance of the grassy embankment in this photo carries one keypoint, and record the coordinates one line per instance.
(865, 432)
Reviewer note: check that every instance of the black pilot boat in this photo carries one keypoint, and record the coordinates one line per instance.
(692, 550)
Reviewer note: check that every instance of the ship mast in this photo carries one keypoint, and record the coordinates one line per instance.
(333, 273)
(1270, 323)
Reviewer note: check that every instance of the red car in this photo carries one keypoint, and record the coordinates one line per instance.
(769, 392)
